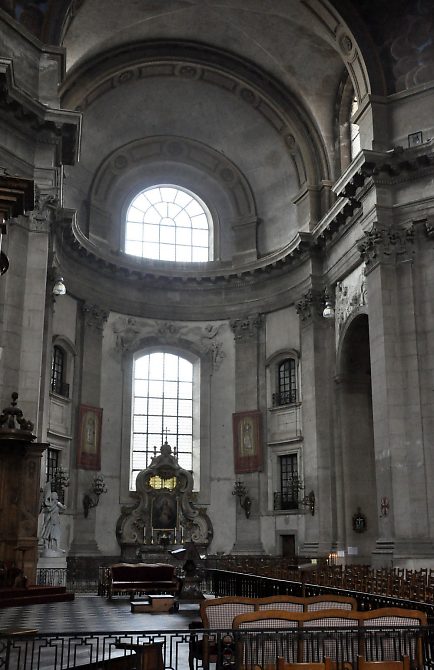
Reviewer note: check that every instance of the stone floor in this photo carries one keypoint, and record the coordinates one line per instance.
(94, 613)
(88, 628)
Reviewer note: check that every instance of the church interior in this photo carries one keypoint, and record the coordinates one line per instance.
(217, 282)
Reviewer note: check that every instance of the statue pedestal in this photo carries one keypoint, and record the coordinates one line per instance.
(52, 568)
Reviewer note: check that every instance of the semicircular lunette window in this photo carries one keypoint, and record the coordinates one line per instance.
(168, 223)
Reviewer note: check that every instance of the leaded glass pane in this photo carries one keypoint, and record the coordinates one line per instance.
(162, 404)
(159, 224)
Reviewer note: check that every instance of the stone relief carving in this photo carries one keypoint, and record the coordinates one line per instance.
(350, 295)
(128, 333)
(43, 213)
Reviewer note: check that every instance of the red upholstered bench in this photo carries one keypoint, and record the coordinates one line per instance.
(135, 578)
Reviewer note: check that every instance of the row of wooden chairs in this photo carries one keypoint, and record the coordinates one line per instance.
(300, 623)
(403, 583)
(362, 664)
(384, 634)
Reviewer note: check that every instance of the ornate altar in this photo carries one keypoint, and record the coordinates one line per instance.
(163, 514)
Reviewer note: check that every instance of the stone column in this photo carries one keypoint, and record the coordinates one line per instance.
(92, 326)
(398, 434)
(317, 366)
(249, 394)
(23, 309)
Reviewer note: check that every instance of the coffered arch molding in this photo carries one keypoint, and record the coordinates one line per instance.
(281, 108)
(178, 160)
(344, 31)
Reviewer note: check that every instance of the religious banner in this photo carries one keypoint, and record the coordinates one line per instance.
(247, 434)
(89, 447)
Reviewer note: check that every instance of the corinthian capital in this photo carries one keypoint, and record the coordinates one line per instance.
(310, 304)
(247, 328)
(94, 316)
(386, 245)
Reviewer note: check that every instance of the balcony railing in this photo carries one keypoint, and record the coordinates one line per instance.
(285, 398)
(284, 501)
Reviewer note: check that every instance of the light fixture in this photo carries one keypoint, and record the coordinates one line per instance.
(91, 499)
(328, 311)
(59, 287)
(309, 502)
(240, 491)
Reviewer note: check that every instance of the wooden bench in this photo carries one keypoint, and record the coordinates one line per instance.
(133, 578)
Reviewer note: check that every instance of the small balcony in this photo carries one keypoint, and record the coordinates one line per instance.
(284, 501)
(284, 398)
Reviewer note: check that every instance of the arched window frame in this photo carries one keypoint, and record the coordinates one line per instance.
(347, 132)
(199, 405)
(62, 387)
(276, 391)
(195, 196)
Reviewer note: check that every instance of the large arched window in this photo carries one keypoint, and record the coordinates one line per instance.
(162, 405)
(168, 223)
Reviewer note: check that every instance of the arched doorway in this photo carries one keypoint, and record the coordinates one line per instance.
(357, 485)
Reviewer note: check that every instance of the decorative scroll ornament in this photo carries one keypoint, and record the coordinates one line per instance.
(386, 245)
(13, 426)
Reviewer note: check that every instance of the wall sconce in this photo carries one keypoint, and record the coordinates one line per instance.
(309, 502)
(245, 501)
(59, 287)
(91, 499)
(60, 481)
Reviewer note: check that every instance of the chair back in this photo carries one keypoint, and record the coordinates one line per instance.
(363, 664)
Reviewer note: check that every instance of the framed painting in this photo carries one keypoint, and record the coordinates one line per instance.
(164, 512)
(89, 447)
(247, 434)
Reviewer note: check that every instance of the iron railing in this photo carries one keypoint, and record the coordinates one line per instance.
(184, 650)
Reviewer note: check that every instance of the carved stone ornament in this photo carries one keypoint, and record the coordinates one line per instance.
(43, 213)
(130, 332)
(13, 426)
(386, 245)
(94, 316)
(310, 305)
(244, 329)
(351, 295)
(164, 511)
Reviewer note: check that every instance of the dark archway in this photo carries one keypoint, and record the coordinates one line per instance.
(357, 485)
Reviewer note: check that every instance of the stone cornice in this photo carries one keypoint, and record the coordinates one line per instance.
(64, 125)
(132, 268)
(382, 168)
